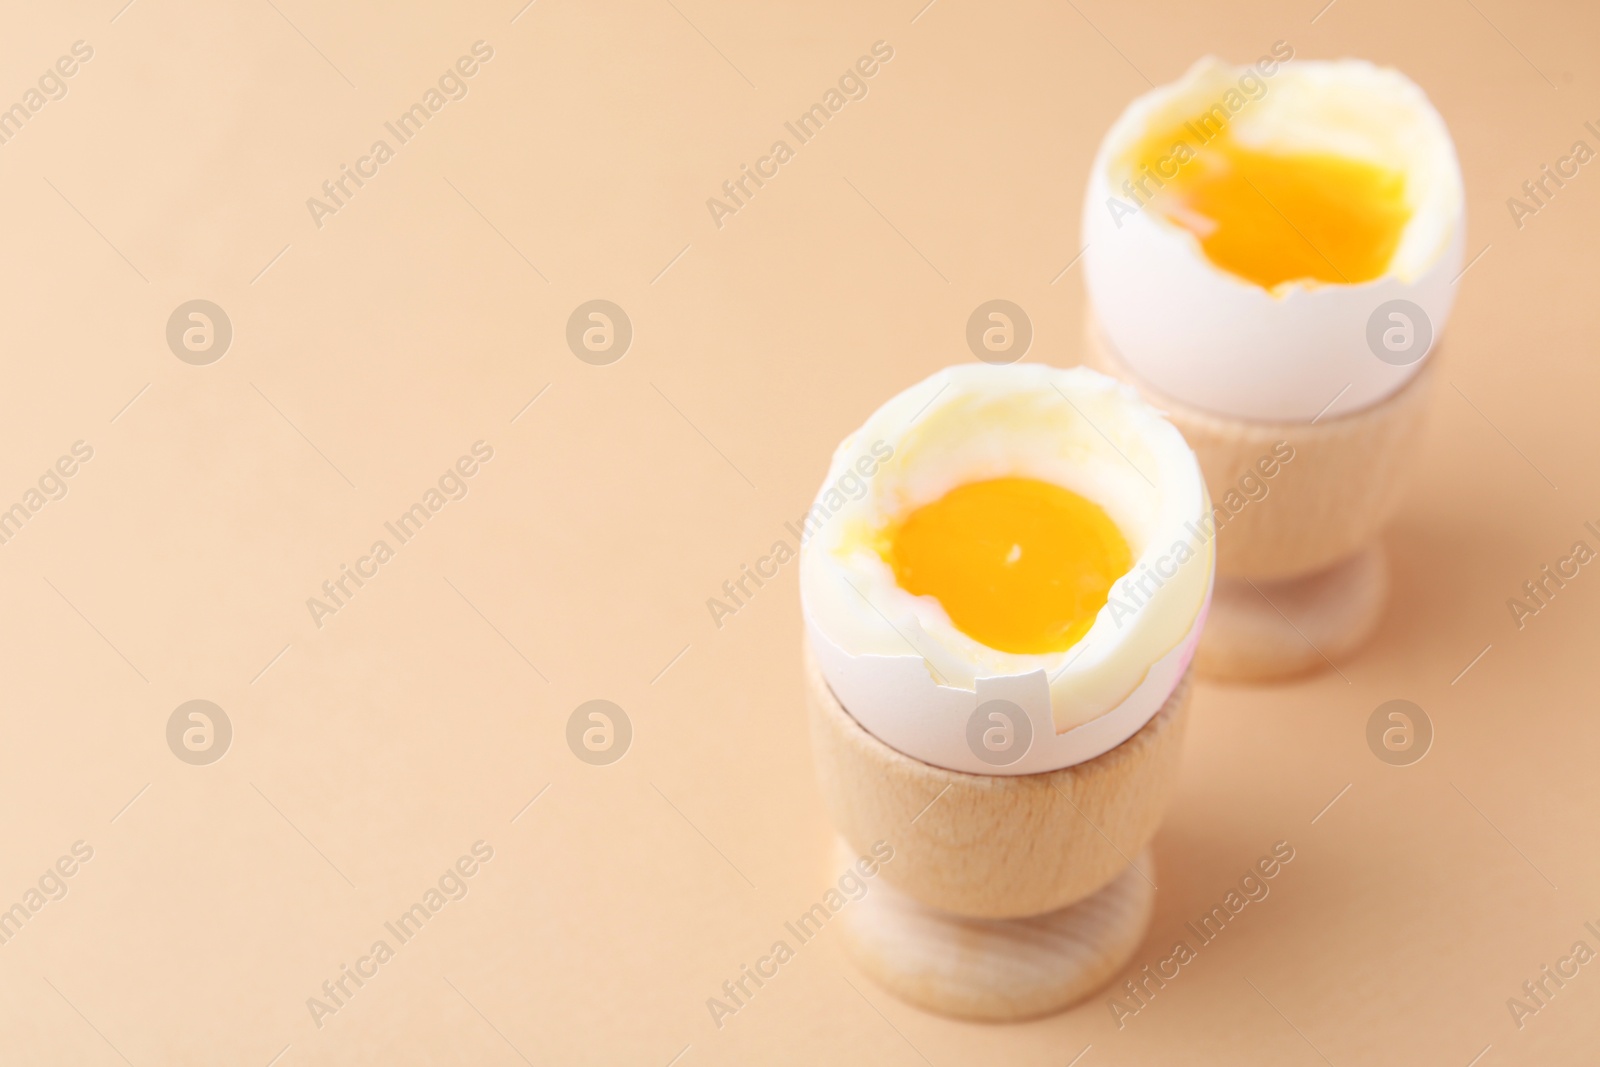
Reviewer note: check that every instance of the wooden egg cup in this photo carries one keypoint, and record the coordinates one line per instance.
(1008, 896)
(1302, 578)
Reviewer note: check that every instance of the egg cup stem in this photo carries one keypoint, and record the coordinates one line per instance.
(998, 970)
(1008, 896)
(1270, 630)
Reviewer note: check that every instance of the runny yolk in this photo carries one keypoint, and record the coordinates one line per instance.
(1019, 565)
(1273, 217)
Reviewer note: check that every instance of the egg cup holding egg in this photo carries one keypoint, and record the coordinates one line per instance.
(1004, 581)
(1271, 252)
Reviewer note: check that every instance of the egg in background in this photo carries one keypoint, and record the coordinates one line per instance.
(1243, 224)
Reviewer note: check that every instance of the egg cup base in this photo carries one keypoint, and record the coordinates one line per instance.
(1346, 478)
(995, 846)
(1267, 631)
(996, 970)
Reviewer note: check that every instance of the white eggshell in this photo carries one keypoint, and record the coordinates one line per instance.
(895, 700)
(1211, 339)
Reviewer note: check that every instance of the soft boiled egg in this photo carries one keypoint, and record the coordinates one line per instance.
(1036, 536)
(1244, 226)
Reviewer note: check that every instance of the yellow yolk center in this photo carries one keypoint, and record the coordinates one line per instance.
(1020, 565)
(1273, 217)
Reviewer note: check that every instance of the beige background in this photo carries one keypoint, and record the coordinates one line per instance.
(370, 753)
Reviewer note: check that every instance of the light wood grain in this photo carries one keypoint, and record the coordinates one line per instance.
(995, 846)
(1261, 631)
(1348, 476)
(997, 970)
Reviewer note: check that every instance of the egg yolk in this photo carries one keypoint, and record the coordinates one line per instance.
(1020, 565)
(1273, 217)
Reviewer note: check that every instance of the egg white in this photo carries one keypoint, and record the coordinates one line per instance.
(1206, 337)
(896, 661)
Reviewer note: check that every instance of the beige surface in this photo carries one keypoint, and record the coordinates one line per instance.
(414, 722)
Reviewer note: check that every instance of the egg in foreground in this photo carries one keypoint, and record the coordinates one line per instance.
(1243, 226)
(1036, 535)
